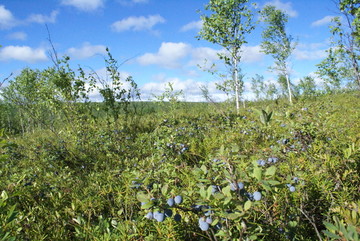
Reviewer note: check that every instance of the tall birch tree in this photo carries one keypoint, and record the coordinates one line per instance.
(227, 25)
(277, 43)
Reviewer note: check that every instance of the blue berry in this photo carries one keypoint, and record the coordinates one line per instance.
(261, 162)
(208, 220)
(170, 202)
(178, 199)
(232, 187)
(149, 215)
(204, 226)
(292, 189)
(257, 196)
(214, 189)
(177, 217)
(272, 159)
(158, 216)
(168, 213)
(240, 185)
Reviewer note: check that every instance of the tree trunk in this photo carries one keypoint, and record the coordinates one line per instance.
(356, 69)
(236, 81)
(289, 87)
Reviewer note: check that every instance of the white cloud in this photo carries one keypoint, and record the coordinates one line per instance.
(17, 36)
(286, 7)
(251, 54)
(23, 53)
(7, 20)
(103, 75)
(190, 87)
(40, 18)
(309, 54)
(192, 25)
(324, 21)
(310, 51)
(84, 5)
(137, 23)
(204, 55)
(86, 51)
(168, 55)
(131, 2)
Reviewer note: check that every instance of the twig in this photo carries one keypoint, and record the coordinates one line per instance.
(3, 81)
(312, 223)
(53, 53)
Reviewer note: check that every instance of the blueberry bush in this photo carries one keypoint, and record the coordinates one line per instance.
(197, 174)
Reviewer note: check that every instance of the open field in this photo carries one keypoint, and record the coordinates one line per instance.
(185, 171)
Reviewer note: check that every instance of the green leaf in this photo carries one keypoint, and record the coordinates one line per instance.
(142, 197)
(247, 205)
(273, 182)
(221, 233)
(4, 195)
(253, 237)
(293, 224)
(270, 171)
(147, 205)
(233, 216)
(257, 173)
(227, 191)
(209, 192)
(202, 192)
(227, 200)
(331, 235)
(164, 189)
(204, 169)
(330, 226)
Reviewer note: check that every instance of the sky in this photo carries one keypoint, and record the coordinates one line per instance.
(154, 40)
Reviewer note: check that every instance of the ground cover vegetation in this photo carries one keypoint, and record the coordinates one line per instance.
(123, 169)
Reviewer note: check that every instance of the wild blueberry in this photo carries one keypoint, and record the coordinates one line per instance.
(208, 220)
(178, 199)
(177, 217)
(214, 189)
(204, 226)
(296, 179)
(149, 215)
(272, 159)
(240, 185)
(218, 226)
(158, 216)
(170, 202)
(196, 208)
(292, 189)
(233, 187)
(257, 196)
(168, 213)
(261, 162)
(285, 141)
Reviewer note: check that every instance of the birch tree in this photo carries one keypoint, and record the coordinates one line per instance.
(227, 25)
(277, 43)
(343, 57)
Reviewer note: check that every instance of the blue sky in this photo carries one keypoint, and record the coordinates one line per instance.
(158, 36)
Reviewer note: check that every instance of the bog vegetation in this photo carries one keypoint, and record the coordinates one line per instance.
(124, 169)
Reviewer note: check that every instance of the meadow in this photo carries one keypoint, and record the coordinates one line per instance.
(184, 171)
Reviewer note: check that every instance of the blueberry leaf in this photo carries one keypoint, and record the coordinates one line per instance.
(270, 171)
(247, 205)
